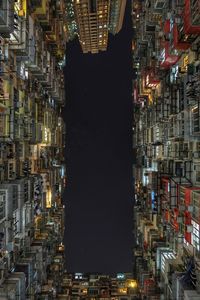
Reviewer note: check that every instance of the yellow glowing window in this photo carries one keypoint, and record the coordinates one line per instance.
(123, 290)
(132, 284)
(48, 199)
(185, 61)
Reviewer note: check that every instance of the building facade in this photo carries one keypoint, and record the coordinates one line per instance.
(79, 286)
(32, 171)
(166, 142)
(92, 20)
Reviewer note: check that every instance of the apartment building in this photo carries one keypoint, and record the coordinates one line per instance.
(98, 286)
(92, 21)
(33, 35)
(166, 64)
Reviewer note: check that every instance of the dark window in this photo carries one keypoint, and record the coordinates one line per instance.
(93, 6)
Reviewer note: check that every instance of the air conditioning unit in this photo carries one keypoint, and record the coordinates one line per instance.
(27, 233)
(190, 208)
(153, 53)
(182, 207)
(10, 246)
(177, 20)
(194, 47)
(19, 104)
(190, 155)
(8, 224)
(161, 191)
(169, 14)
(189, 228)
(180, 239)
(180, 219)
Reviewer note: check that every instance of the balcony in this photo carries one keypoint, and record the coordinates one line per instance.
(6, 18)
(192, 17)
(52, 32)
(195, 119)
(179, 38)
(159, 5)
(151, 80)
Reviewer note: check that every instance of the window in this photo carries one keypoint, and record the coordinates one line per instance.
(195, 235)
(197, 168)
(2, 205)
(195, 119)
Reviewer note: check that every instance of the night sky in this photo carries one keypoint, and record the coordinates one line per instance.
(98, 198)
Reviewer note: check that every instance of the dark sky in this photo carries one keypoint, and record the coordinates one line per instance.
(98, 116)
